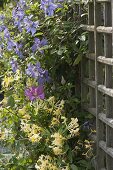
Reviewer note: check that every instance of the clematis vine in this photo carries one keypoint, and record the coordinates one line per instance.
(18, 15)
(10, 44)
(6, 33)
(18, 50)
(38, 44)
(30, 25)
(38, 73)
(49, 7)
(33, 93)
(14, 65)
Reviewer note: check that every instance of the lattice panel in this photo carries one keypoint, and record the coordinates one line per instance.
(97, 78)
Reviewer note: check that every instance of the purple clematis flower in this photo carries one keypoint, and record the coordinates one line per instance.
(49, 7)
(30, 25)
(10, 44)
(34, 93)
(38, 73)
(14, 65)
(1, 48)
(18, 50)
(22, 3)
(18, 15)
(6, 33)
(2, 28)
(38, 44)
(2, 17)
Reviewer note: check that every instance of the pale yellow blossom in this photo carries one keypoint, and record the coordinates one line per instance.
(57, 150)
(25, 127)
(55, 121)
(57, 112)
(18, 75)
(34, 138)
(73, 126)
(2, 135)
(46, 163)
(32, 131)
(7, 81)
(26, 116)
(58, 139)
(22, 111)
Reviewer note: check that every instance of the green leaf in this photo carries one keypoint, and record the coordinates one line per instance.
(11, 101)
(39, 33)
(77, 60)
(74, 167)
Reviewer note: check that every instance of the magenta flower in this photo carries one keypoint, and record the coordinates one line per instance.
(32, 93)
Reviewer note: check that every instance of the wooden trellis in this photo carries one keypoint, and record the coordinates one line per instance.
(97, 78)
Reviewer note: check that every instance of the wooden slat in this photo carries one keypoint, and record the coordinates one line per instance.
(108, 80)
(89, 82)
(91, 49)
(93, 137)
(84, 87)
(90, 56)
(107, 91)
(105, 60)
(99, 80)
(103, 29)
(106, 149)
(103, 1)
(88, 27)
(106, 120)
(90, 110)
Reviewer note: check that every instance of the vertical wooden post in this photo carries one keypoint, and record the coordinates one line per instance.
(108, 81)
(99, 80)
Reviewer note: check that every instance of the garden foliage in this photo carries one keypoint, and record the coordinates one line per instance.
(41, 45)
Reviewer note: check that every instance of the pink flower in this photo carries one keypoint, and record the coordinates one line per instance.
(32, 93)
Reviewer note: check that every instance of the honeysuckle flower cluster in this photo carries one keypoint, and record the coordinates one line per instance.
(46, 162)
(57, 143)
(73, 127)
(33, 131)
(7, 81)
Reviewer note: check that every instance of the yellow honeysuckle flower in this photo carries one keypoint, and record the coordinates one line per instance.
(7, 81)
(26, 117)
(22, 111)
(35, 138)
(57, 151)
(25, 127)
(46, 163)
(2, 135)
(55, 121)
(17, 75)
(73, 126)
(58, 139)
